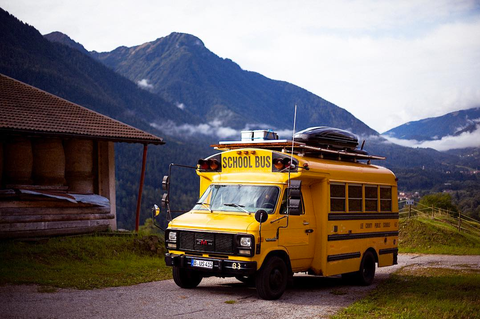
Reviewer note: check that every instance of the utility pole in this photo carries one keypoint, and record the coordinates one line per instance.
(409, 203)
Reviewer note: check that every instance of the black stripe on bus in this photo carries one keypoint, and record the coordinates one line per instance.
(362, 216)
(361, 235)
(343, 256)
(388, 251)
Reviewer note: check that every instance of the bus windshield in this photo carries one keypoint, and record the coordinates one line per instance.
(238, 198)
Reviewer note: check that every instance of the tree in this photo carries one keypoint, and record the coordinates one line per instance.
(439, 200)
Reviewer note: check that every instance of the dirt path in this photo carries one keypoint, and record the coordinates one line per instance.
(310, 297)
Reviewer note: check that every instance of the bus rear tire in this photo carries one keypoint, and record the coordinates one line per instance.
(271, 280)
(185, 278)
(366, 274)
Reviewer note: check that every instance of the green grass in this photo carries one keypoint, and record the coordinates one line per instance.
(85, 262)
(429, 236)
(422, 293)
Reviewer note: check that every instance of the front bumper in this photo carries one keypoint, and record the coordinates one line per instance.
(221, 267)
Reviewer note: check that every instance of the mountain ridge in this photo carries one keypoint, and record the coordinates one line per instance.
(62, 38)
(184, 72)
(435, 128)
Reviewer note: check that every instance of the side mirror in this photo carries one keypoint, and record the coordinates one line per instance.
(261, 216)
(166, 182)
(156, 210)
(295, 198)
(165, 200)
(295, 206)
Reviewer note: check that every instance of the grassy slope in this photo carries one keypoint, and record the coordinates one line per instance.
(426, 292)
(422, 293)
(83, 262)
(432, 236)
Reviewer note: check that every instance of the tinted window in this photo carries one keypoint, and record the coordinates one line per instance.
(337, 197)
(355, 196)
(371, 198)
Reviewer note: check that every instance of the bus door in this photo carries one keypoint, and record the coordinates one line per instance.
(299, 237)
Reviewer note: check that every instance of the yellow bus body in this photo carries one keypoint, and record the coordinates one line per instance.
(323, 240)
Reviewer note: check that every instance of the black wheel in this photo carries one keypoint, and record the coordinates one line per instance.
(367, 269)
(185, 278)
(248, 280)
(271, 280)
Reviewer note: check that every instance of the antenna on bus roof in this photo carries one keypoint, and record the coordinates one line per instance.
(293, 143)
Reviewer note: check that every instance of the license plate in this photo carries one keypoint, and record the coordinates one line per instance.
(202, 263)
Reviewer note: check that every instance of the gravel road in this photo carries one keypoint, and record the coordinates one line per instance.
(310, 297)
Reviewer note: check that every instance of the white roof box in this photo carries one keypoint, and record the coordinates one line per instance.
(259, 135)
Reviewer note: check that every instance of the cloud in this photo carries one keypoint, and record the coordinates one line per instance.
(464, 140)
(143, 84)
(284, 134)
(214, 128)
(181, 106)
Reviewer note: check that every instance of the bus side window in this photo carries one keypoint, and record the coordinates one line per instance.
(283, 207)
(371, 198)
(337, 197)
(385, 199)
(355, 197)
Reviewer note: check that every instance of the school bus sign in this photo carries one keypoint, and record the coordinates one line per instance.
(247, 160)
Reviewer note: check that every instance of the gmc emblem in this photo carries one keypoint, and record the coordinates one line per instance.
(204, 242)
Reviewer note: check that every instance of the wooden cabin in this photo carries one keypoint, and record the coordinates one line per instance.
(57, 164)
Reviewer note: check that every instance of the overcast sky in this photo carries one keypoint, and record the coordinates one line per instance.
(386, 62)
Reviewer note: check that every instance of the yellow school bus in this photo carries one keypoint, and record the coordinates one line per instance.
(271, 208)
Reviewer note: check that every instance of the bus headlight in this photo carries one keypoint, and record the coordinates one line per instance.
(171, 239)
(172, 236)
(246, 241)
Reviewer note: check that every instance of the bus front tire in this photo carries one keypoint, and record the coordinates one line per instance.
(271, 281)
(185, 278)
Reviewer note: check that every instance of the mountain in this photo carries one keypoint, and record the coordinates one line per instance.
(65, 40)
(435, 128)
(27, 56)
(183, 71)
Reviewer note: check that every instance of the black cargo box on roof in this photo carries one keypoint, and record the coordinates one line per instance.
(327, 136)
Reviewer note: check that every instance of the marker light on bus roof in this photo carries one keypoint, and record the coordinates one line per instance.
(213, 164)
(203, 164)
(278, 163)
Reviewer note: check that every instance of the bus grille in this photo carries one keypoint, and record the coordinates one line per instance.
(205, 242)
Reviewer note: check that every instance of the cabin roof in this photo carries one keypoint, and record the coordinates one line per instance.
(28, 110)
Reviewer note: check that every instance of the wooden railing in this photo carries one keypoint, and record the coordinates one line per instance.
(461, 221)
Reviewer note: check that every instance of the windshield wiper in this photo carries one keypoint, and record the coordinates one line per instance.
(238, 206)
(206, 205)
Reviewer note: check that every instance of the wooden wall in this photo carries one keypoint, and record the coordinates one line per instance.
(55, 166)
(37, 218)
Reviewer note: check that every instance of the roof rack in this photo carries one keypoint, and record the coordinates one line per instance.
(299, 148)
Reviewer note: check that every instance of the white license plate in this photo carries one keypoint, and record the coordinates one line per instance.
(202, 263)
